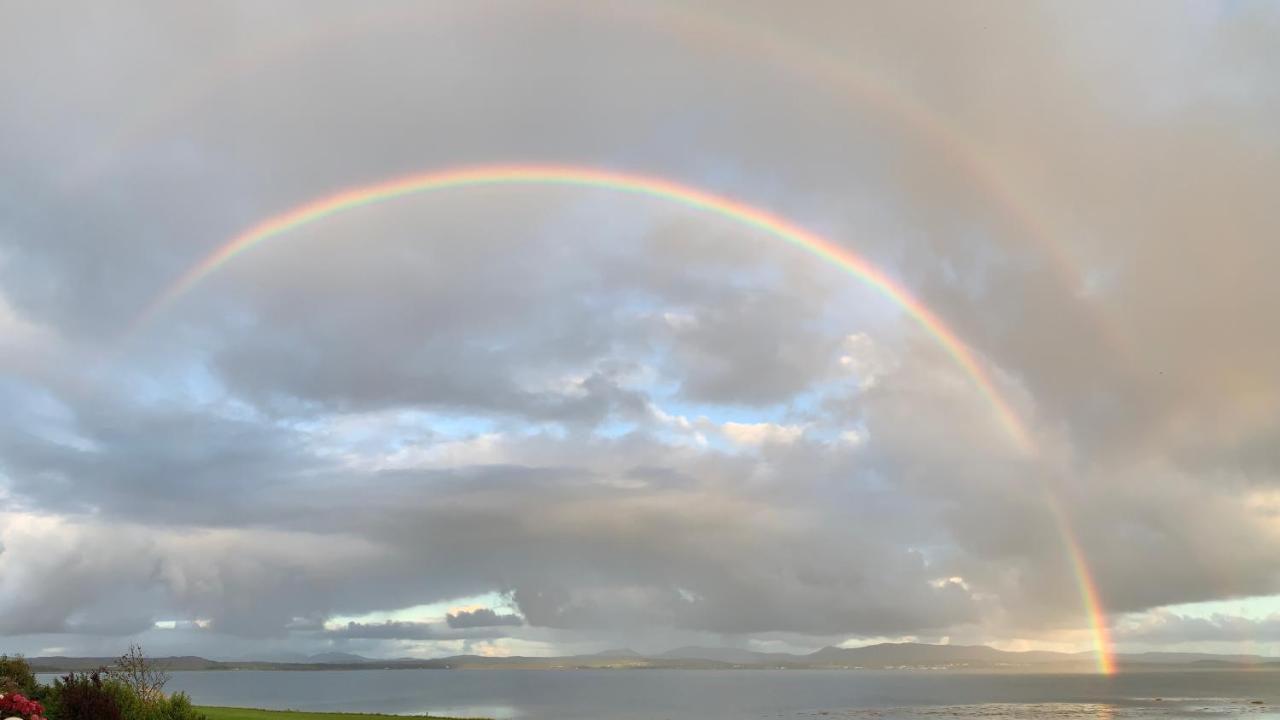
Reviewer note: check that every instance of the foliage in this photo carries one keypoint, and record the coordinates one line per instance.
(227, 713)
(136, 707)
(83, 697)
(131, 690)
(16, 676)
(140, 675)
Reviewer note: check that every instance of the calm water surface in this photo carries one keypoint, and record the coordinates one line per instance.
(743, 695)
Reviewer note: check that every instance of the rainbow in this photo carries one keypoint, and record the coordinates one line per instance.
(692, 197)
(623, 182)
(1090, 598)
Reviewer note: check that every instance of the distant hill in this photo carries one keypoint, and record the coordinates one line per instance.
(972, 658)
(896, 654)
(620, 653)
(908, 654)
(736, 656)
(88, 664)
(337, 658)
(1184, 657)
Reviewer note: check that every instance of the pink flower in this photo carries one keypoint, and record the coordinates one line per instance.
(15, 703)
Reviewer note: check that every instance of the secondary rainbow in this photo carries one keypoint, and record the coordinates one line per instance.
(636, 184)
(755, 39)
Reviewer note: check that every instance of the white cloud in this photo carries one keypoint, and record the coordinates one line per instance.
(755, 434)
(866, 359)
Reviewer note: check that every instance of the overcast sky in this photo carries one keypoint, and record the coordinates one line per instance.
(541, 420)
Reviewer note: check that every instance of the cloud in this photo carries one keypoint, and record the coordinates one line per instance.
(388, 630)
(761, 433)
(1162, 627)
(755, 349)
(69, 576)
(481, 617)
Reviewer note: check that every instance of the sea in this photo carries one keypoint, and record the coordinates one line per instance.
(744, 694)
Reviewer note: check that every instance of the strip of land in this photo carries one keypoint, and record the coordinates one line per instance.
(230, 713)
(885, 656)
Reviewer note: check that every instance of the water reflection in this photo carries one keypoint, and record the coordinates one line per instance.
(489, 712)
(1148, 710)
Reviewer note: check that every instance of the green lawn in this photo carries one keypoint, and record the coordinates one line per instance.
(226, 713)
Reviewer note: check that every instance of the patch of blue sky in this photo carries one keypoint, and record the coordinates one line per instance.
(183, 380)
(1254, 608)
(433, 612)
(42, 414)
(451, 426)
(390, 431)
(801, 407)
(720, 414)
(614, 428)
(188, 385)
(550, 429)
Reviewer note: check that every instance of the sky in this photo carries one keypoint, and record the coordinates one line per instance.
(544, 419)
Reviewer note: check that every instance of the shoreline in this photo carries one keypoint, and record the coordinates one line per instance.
(219, 712)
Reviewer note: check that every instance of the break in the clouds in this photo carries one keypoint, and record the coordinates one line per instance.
(546, 419)
(1165, 627)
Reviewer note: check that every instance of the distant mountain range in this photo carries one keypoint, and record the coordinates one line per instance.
(903, 656)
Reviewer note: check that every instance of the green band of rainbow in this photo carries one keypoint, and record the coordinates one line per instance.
(742, 213)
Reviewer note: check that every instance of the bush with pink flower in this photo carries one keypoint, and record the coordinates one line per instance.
(131, 690)
(16, 706)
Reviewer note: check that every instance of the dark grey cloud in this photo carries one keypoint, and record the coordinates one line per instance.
(180, 465)
(482, 617)
(755, 349)
(388, 630)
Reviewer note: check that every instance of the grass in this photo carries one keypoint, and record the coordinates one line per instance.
(229, 713)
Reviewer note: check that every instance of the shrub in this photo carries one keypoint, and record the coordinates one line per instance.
(156, 707)
(179, 708)
(133, 690)
(137, 684)
(16, 676)
(139, 674)
(83, 697)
